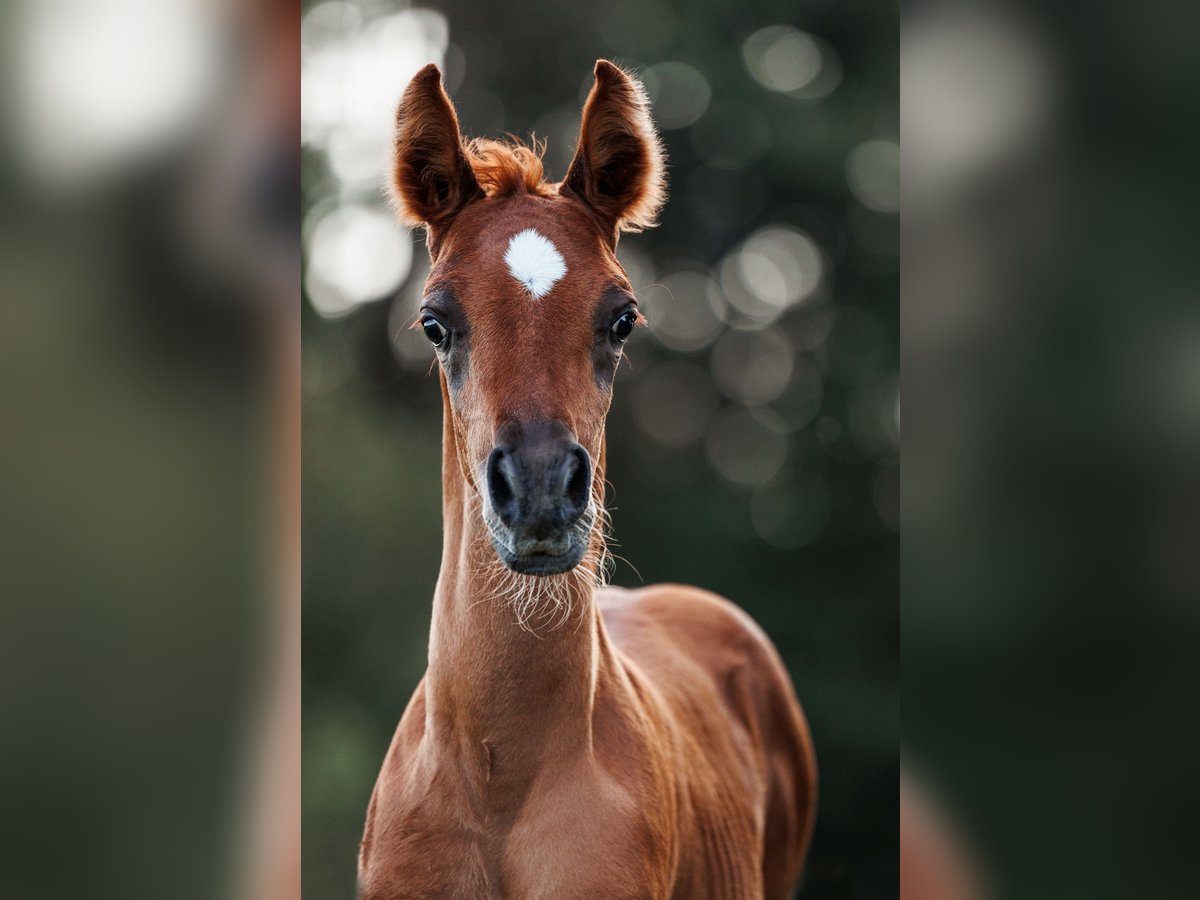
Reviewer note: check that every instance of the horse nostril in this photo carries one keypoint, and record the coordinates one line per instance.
(538, 486)
(501, 486)
(577, 483)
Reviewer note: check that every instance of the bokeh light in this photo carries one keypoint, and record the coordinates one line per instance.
(977, 87)
(873, 171)
(355, 63)
(356, 60)
(684, 312)
(789, 61)
(679, 92)
(105, 110)
(743, 449)
(776, 267)
(752, 367)
(357, 254)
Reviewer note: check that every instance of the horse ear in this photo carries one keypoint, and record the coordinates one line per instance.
(618, 164)
(431, 178)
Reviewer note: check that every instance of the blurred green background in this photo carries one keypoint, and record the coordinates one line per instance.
(753, 437)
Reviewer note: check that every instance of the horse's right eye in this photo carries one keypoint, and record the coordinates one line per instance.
(434, 330)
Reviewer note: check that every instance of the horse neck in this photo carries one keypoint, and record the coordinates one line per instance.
(498, 692)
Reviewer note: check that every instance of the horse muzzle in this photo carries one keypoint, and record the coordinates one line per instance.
(539, 485)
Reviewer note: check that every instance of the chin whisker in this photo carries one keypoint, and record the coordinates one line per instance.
(543, 603)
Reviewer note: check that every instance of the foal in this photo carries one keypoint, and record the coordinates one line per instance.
(568, 740)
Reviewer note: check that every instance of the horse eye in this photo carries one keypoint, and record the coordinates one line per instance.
(623, 327)
(434, 330)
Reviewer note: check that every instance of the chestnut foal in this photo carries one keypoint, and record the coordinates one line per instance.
(568, 740)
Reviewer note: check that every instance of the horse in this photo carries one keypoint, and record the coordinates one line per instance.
(568, 740)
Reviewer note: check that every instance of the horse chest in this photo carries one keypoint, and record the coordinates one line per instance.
(572, 837)
(588, 849)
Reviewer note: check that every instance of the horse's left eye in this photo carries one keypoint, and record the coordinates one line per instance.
(623, 327)
(434, 330)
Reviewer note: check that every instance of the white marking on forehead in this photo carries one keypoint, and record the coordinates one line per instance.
(534, 261)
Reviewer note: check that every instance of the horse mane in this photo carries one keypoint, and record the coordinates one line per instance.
(505, 168)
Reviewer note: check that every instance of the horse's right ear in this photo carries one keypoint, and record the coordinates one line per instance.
(431, 178)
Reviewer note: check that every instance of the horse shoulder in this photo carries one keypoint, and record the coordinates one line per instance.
(745, 749)
(415, 845)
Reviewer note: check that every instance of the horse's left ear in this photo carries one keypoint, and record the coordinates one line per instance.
(618, 164)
